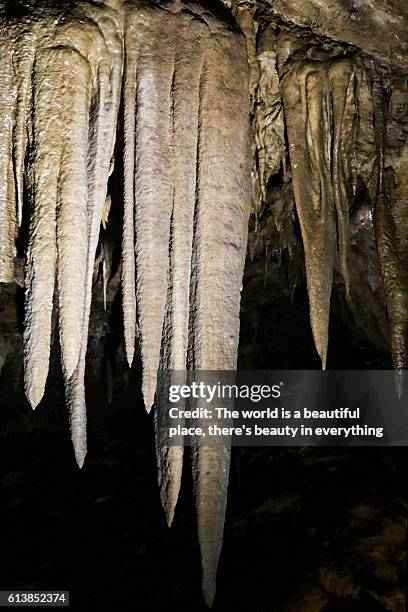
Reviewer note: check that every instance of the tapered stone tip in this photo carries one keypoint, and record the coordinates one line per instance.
(399, 381)
(169, 501)
(149, 390)
(169, 517)
(130, 352)
(78, 437)
(321, 342)
(208, 588)
(34, 394)
(80, 454)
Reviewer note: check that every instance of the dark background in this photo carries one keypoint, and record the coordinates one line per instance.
(306, 528)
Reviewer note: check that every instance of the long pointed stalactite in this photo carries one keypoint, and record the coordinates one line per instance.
(7, 193)
(15, 85)
(107, 71)
(321, 97)
(153, 180)
(50, 182)
(390, 221)
(215, 294)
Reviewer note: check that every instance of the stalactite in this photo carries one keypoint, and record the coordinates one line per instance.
(190, 188)
(152, 179)
(217, 271)
(76, 85)
(106, 62)
(322, 112)
(186, 89)
(72, 202)
(188, 56)
(7, 187)
(390, 218)
(107, 253)
(59, 199)
(342, 77)
(186, 202)
(23, 62)
(128, 241)
(268, 124)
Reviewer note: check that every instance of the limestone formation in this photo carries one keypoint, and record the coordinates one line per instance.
(165, 95)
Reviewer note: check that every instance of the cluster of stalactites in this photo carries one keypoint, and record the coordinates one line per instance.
(329, 119)
(335, 106)
(61, 120)
(186, 206)
(330, 103)
(182, 75)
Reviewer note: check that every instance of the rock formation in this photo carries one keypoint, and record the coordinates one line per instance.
(159, 97)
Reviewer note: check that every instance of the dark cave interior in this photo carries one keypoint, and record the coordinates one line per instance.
(318, 527)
